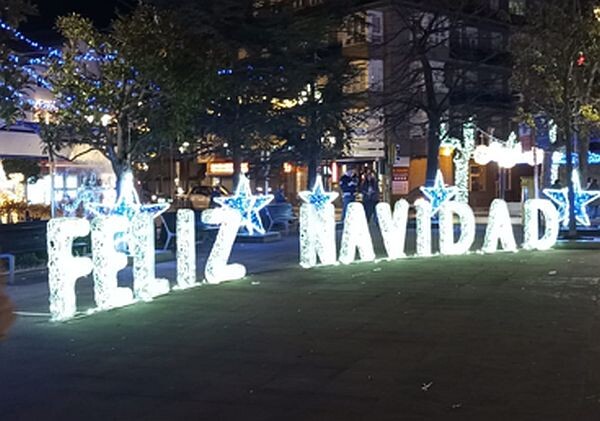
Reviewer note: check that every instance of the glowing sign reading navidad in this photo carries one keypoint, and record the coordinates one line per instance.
(317, 242)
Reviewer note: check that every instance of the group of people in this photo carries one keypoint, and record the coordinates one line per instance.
(365, 183)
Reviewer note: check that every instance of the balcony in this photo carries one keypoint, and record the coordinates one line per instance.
(488, 56)
(483, 98)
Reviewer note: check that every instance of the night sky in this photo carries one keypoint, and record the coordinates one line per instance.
(101, 11)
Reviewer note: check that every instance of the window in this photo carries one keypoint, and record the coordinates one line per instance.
(416, 75)
(517, 7)
(360, 81)
(299, 4)
(471, 79)
(497, 83)
(376, 75)
(438, 73)
(439, 77)
(353, 31)
(477, 178)
(375, 121)
(496, 41)
(71, 182)
(437, 29)
(504, 181)
(65, 186)
(471, 36)
(374, 26)
(418, 125)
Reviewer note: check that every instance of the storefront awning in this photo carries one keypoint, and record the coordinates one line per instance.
(21, 144)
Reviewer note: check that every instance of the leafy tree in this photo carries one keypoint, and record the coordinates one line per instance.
(115, 91)
(557, 63)
(269, 54)
(318, 122)
(13, 81)
(234, 118)
(28, 167)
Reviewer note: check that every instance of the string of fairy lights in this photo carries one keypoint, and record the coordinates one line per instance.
(34, 67)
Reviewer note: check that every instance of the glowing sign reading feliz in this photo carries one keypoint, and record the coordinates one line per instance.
(317, 243)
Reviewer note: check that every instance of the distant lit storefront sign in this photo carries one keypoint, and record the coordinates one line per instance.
(221, 169)
(400, 180)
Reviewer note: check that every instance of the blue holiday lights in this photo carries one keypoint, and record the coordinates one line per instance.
(582, 198)
(127, 203)
(439, 193)
(560, 158)
(318, 197)
(247, 204)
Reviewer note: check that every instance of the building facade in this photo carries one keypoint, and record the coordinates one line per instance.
(462, 51)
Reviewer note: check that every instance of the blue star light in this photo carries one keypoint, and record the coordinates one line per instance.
(439, 193)
(128, 203)
(247, 204)
(582, 197)
(318, 196)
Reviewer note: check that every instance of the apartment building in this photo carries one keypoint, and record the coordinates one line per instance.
(470, 67)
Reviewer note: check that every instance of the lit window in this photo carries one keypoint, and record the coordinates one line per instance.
(376, 75)
(375, 26)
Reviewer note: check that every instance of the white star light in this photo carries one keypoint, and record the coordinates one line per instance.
(247, 204)
(439, 193)
(582, 198)
(128, 203)
(318, 197)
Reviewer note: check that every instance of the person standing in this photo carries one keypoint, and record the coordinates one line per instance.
(349, 185)
(280, 195)
(215, 191)
(370, 193)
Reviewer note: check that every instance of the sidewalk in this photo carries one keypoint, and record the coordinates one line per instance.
(507, 336)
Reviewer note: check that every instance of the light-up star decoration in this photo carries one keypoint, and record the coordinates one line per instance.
(439, 193)
(128, 203)
(247, 204)
(318, 197)
(582, 198)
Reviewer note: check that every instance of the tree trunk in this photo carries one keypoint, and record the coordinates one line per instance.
(237, 164)
(313, 162)
(547, 169)
(433, 149)
(583, 143)
(120, 169)
(571, 197)
(119, 159)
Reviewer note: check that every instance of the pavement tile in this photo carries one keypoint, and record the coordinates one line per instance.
(467, 338)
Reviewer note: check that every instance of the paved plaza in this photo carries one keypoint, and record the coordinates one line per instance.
(511, 336)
